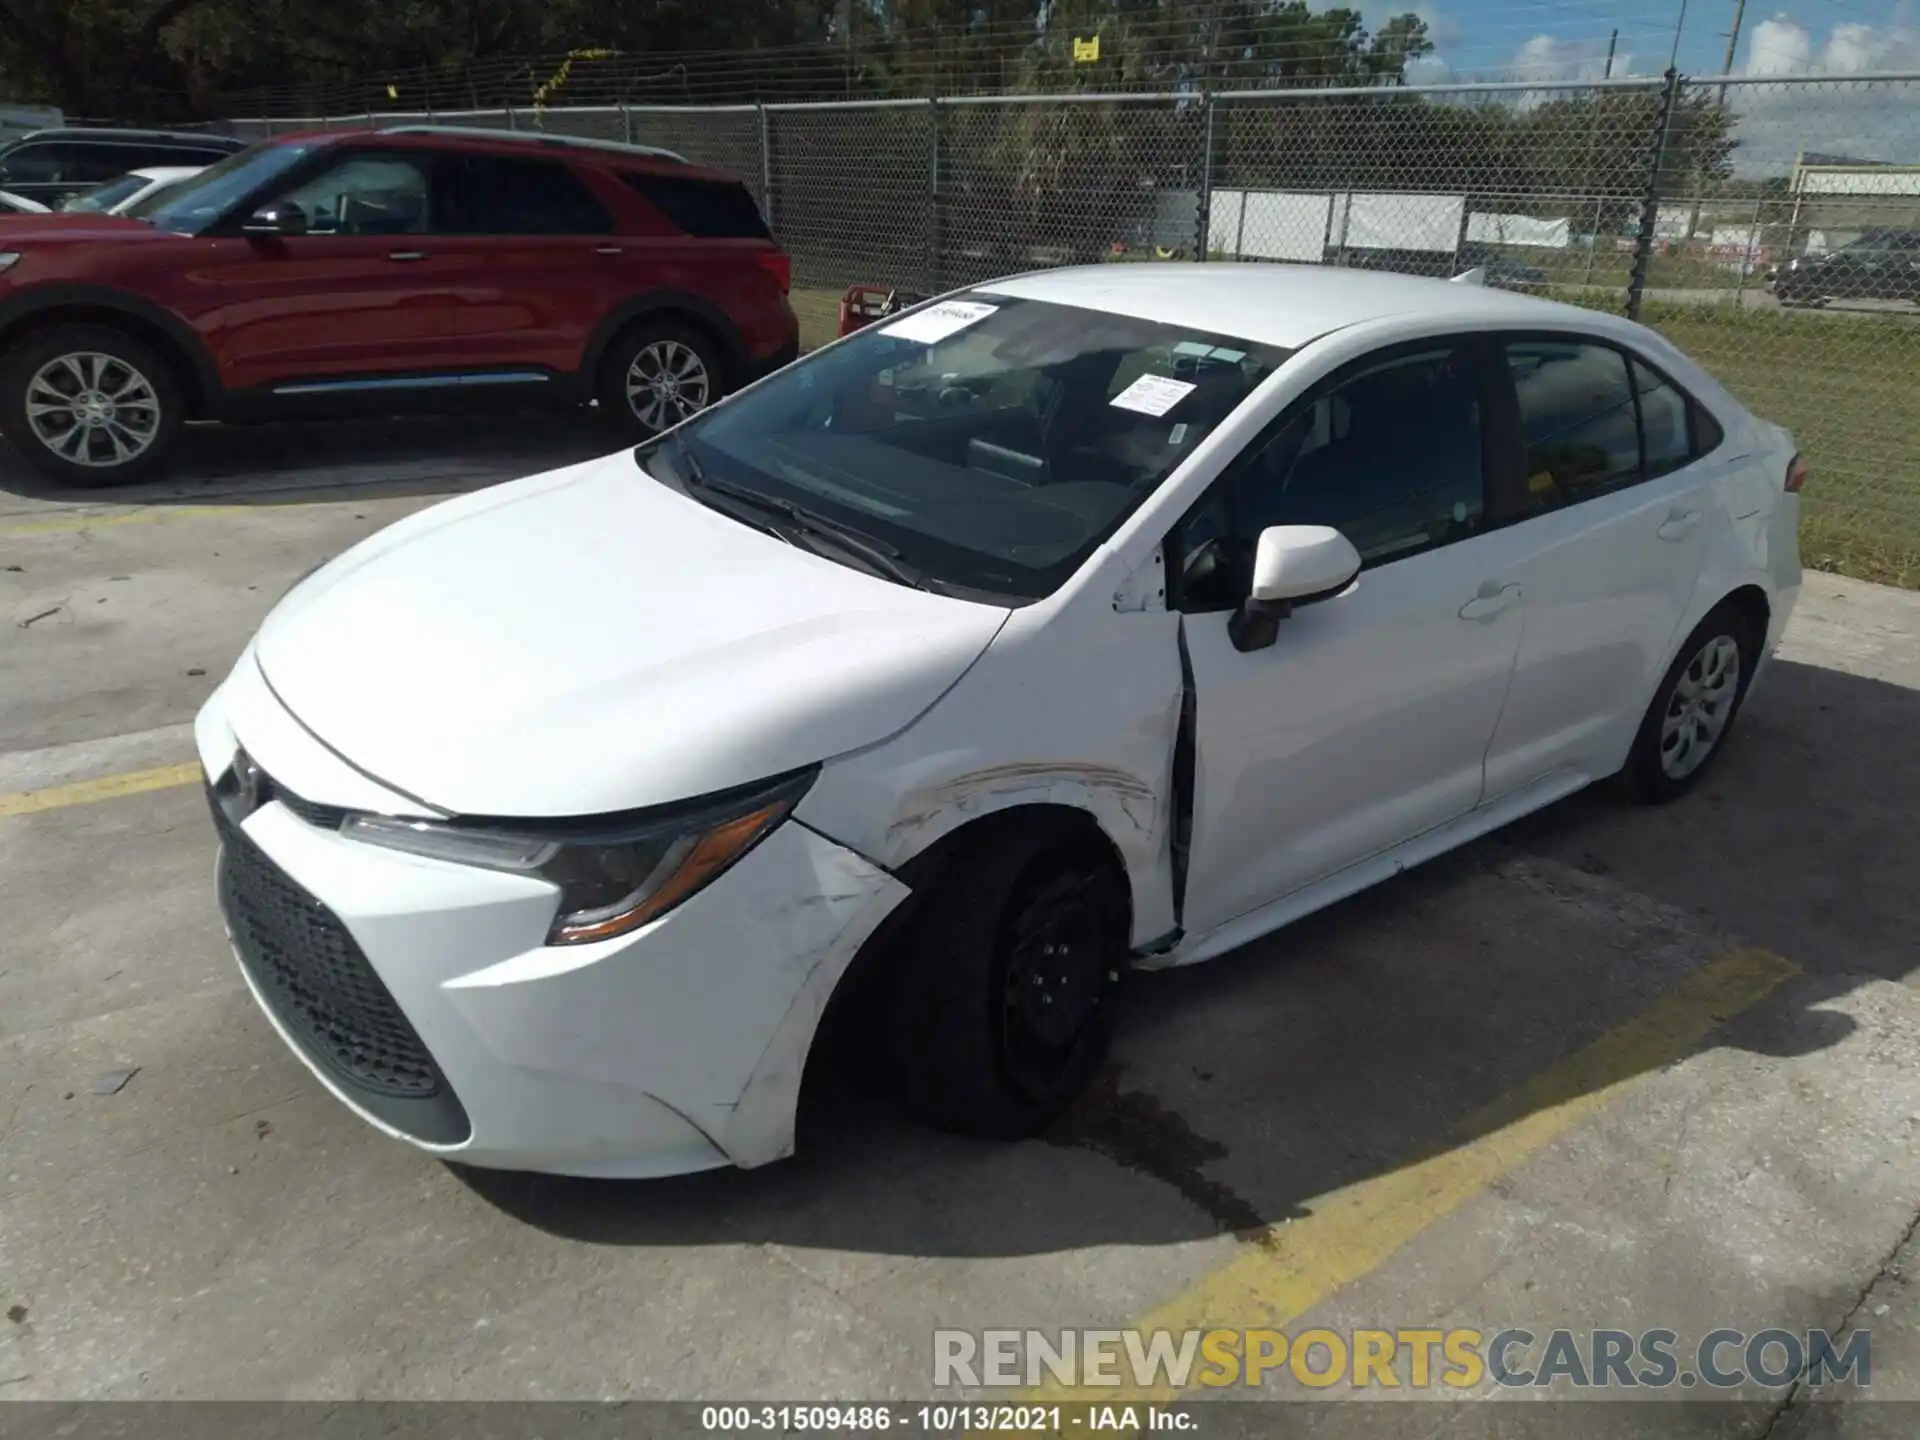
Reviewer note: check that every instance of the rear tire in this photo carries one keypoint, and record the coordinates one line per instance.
(1694, 707)
(657, 374)
(89, 404)
(1002, 1004)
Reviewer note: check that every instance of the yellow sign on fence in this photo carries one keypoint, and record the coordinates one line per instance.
(1085, 51)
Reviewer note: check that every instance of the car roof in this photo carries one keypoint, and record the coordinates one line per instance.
(156, 137)
(525, 137)
(1269, 304)
(487, 141)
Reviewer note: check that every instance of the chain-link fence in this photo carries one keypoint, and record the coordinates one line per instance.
(1770, 226)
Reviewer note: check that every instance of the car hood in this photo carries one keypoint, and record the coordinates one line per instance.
(590, 641)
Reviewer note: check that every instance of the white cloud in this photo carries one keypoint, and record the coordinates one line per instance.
(1548, 57)
(1833, 112)
(1782, 46)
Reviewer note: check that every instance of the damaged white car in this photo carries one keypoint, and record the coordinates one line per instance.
(1092, 618)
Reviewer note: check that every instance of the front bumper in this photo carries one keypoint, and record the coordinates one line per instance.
(423, 996)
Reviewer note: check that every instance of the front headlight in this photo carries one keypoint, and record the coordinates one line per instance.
(615, 873)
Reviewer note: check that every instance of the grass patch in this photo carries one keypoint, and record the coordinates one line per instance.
(1848, 387)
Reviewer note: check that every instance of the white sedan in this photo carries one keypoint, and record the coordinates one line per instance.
(1093, 618)
(119, 196)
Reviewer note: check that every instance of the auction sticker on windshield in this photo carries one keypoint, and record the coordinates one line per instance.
(937, 322)
(1153, 394)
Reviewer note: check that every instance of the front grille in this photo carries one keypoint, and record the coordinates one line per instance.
(314, 977)
(326, 817)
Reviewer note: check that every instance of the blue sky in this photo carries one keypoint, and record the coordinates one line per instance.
(1568, 38)
(1825, 40)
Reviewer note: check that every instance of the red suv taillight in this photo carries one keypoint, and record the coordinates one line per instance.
(1796, 475)
(777, 264)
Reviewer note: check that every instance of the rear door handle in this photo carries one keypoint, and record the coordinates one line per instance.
(406, 255)
(608, 250)
(1489, 602)
(1678, 525)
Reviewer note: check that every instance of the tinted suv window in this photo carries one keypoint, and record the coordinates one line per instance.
(1576, 418)
(64, 162)
(493, 195)
(710, 209)
(1349, 458)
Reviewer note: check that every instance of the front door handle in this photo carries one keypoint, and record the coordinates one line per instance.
(406, 255)
(1489, 602)
(1678, 525)
(608, 250)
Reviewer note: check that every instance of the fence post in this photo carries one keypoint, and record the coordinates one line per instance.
(511, 124)
(936, 210)
(626, 124)
(1203, 224)
(766, 167)
(1753, 243)
(1650, 199)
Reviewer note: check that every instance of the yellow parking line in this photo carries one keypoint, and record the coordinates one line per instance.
(1288, 1269)
(120, 517)
(107, 787)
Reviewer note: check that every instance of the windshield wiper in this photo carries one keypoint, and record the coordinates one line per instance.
(870, 550)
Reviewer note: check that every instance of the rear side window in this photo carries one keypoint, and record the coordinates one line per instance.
(709, 209)
(1664, 427)
(1577, 420)
(495, 195)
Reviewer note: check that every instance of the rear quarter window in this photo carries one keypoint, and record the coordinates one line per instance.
(707, 209)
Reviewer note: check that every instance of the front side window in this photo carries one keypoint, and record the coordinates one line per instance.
(364, 195)
(1389, 454)
(202, 200)
(1577, 420)
(992, 442)
(494, 195)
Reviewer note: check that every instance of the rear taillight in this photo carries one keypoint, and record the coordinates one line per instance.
(1796, 475)
(776, 264)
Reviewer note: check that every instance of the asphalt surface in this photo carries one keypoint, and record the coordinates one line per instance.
(1617, 1067)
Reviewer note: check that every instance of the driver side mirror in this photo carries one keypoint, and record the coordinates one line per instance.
(282, 220)
(1292, 565)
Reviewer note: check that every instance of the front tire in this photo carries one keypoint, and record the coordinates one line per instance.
(1002, 1006)
(1693, 710)
(658, 374)
(90, 405)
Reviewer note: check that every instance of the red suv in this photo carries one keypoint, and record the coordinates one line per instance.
(381, 271)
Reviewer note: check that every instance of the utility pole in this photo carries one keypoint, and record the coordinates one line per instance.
(1733, 42)
(1613, 43)
(1679, 24)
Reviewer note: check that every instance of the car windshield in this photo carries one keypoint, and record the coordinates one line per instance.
(196, 203)
(991, 443)
(103, 196)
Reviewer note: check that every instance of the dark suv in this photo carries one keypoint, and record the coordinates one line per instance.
(383, 271)
(51, 165)
(1880, 265)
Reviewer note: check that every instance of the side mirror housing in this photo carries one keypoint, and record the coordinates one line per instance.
(280, 220)
(1292, 565)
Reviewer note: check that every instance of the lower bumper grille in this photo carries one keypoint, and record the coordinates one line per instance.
(318, 983)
